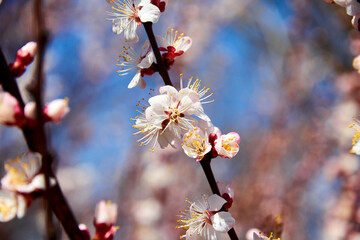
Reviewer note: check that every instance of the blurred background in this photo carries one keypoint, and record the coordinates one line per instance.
(282, 77)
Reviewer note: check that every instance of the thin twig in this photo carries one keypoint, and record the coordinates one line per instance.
(59, 204)
(206, 166)
(39, 127)
(162, 69)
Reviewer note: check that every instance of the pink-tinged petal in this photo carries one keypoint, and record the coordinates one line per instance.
(162, 42)
(135, 80)
(225, 188)
(216, 202)
(222, 221)
(130, 32)
(147, 61)
(217, 132)
(29, 48)
(142, 83)
(149, 13)
(227, 145)
(184, 44)
(353, 8)
(105, 212)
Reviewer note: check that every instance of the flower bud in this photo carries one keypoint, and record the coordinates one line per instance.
(24, 57)
(10, 111)
(85, 231)
(105, 217)
(56, 110)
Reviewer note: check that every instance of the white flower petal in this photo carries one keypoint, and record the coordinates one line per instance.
(142, 83)
(162, 42)
(8, 206)
(21, 208)
(149, 13)
(117, 25)
(135, 80)
(222, 221)
(130, 32)
(183, 44)
(146, 61)
(216, 202)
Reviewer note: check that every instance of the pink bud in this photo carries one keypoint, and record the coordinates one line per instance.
(24, 57)
(85, 231)
(106, 212)
(227, 193)
(105, 217)
(10, 111)
(227, 145)
(56, 110)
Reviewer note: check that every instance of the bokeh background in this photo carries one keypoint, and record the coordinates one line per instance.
(282, 77)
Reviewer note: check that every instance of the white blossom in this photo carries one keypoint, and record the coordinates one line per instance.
(129, 59)
(169, 115)
(127, 15)
(23, 174)
(204, 220)
(11, 205)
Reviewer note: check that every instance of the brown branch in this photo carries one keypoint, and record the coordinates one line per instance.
(206, 166)
(58, 202)
(162, 69)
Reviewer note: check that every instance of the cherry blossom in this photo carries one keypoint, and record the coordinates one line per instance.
(196, 141)
(227, 145)
(129, 59)
(169, 115)
(173, 45)
(23, 174)
(11, 205)
(204, 220)
(127, 15)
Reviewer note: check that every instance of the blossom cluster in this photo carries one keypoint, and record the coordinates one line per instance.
(22, 183)
(11, 112)
(170, 117)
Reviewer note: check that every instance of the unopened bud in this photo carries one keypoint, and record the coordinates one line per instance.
(56, 110)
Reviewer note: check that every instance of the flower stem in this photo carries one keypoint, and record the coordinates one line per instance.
(162, 69)
(56, 200)
(206, 166)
